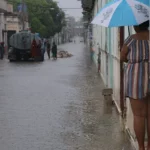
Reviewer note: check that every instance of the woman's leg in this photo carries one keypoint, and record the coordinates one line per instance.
(139, 108)
(47, 52)
(53, 55)
(56, 54)
(98, 67)
(148, 123)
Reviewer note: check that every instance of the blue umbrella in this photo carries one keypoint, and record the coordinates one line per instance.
(123, 13)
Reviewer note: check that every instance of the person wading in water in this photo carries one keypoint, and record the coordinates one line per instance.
(48, 49)
(54, 51)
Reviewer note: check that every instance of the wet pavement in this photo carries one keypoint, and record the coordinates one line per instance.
(56, 105)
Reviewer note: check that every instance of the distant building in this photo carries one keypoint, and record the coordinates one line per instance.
(67, 32)
(3, 11)
(13, 22)
(78, 30)
(10, 22)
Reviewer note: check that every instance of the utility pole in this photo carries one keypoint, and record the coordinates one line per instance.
(23, 15)
(97, 6)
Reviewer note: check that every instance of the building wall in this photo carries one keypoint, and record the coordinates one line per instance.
(13, 23)
(108, 40)
(3, 5)
(8, 23)
(2, 28)
(3, 8)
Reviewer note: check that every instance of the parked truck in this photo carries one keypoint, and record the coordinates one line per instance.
(21, 47)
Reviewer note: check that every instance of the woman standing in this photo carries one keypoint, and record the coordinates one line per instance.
(34, 48)
(2, 50)
(54, 50)
(136, 52)
(48, 49)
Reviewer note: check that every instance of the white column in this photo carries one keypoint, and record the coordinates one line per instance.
(6, 42)
(2, 22)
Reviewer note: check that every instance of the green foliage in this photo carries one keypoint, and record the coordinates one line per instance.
(45, 17)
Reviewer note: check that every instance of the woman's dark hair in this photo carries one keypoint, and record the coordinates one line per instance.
(144, 26)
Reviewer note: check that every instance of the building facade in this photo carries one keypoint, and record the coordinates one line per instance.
(3, 11)
(10, 22)
(13, 22)
(108, 41)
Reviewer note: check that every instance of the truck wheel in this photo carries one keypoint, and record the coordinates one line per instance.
(26, 58)
(10, 60)
(18, 58)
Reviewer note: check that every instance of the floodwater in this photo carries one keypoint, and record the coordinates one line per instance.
(57, 105)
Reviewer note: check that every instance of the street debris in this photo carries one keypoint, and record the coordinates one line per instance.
(63, 54)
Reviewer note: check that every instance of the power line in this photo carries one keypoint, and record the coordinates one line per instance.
(35, 5)
(23, 5)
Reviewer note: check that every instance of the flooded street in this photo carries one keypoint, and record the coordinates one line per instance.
(56, 105)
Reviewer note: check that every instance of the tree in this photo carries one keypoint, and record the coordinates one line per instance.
(45, 17)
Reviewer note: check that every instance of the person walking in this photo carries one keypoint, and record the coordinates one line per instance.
(42, 48)
(54, 51)
(1, 50)
(136, 52)
(48, 49)
(45, 46)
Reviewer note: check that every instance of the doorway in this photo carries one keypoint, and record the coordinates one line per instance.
(9, 34)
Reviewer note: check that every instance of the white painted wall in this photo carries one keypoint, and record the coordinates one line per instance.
(3, 8)
(3, 5)
(100, 36)
(2, 27)
(13, 23)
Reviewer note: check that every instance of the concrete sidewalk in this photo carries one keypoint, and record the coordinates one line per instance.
(102, 125)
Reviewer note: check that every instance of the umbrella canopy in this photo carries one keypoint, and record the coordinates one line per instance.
(123, 13)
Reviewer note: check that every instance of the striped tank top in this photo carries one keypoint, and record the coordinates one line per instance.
(137, 71)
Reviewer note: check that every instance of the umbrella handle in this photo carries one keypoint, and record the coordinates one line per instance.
(129, 31)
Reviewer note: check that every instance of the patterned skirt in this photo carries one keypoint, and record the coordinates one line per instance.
(136, 80)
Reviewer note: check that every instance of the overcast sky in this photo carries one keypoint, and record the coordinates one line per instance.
(71, 4)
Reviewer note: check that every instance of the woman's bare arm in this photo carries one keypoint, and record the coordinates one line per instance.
(124, 53)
